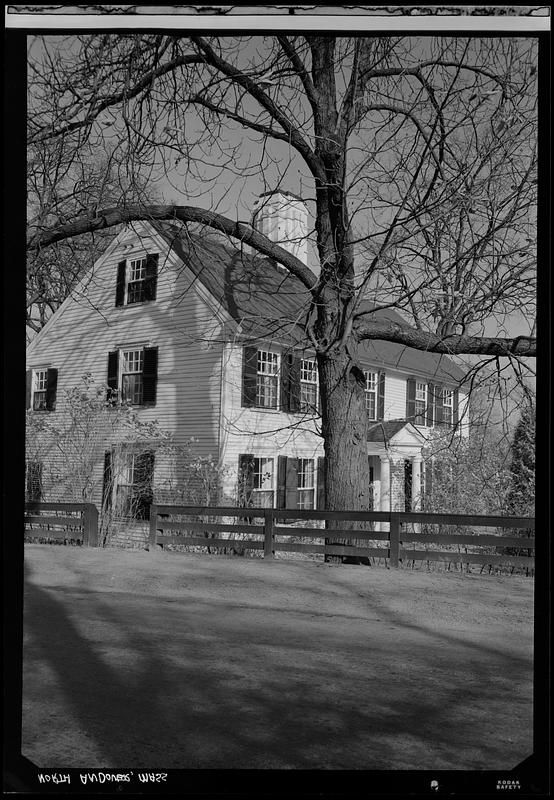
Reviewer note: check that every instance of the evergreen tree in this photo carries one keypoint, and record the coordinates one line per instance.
(521, 495)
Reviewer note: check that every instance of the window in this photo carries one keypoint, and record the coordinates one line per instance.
(420, 403)
(40, 382)
(135, 286)
(124, 486)
(128, 477)
(136, 280)
(262, 494)
(371, 384)
(447, 406)
(133, 375)
(42, 386)
(305, 483)
(132, 365)
(308, 386)
(267, 379)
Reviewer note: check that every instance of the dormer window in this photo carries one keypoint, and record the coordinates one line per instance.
(137, 280)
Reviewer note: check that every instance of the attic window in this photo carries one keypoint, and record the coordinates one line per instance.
(137, 280)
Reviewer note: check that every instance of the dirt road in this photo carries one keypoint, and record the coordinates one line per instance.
(191, 661)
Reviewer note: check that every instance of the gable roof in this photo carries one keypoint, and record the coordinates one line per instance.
(270, 303)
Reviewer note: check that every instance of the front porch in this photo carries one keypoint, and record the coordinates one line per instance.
(395, 466)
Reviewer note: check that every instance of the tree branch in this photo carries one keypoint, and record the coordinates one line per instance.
(294, 137)
(449, 345)
(237, 230)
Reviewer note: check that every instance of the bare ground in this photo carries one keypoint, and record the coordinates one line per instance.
(191, 661)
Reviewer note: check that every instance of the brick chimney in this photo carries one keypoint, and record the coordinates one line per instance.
(283, 218)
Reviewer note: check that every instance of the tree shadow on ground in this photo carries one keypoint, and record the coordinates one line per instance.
(154, 682)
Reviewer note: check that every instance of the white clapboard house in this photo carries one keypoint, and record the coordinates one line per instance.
(203, 337)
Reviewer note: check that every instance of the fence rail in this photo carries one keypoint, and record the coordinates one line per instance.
(394, 539)
(84, 521)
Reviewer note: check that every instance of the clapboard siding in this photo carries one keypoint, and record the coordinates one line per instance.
(242, 427)
(179, 323)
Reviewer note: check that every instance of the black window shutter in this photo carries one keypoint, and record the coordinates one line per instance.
(150, 376)
(120, 285)
(28, 388)
(439, 415)
(430, 404)
(455, 409)
(321, 483)
(113, 376)
(281, 481)
(294, 384)
(381, 397)
(290, 383)
(51, 388)
(286, 366)
(246, 479)
(291, 487)
(142, 484)
(410, 399)
(249, 370)
(107, 487)
(151, 279)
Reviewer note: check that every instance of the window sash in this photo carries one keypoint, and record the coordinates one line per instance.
(308, 396)
(306, 498)
(135, 292)
(371, 383)
(137, 269)
(132, 361)
(132, 386)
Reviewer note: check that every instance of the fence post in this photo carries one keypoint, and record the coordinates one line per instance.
(268, 533)
(90, 525)
(153, 523)
(394, 538)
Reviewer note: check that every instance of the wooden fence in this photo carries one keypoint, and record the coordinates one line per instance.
(69, 521)
(404, 528)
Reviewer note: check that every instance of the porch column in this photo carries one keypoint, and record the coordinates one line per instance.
(384, 504)
(416, 482)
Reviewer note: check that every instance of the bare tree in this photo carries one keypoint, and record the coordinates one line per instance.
(417, 156)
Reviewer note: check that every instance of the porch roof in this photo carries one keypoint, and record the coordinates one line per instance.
(384, 432)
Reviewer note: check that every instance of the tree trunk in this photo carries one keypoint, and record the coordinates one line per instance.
(344, 427)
